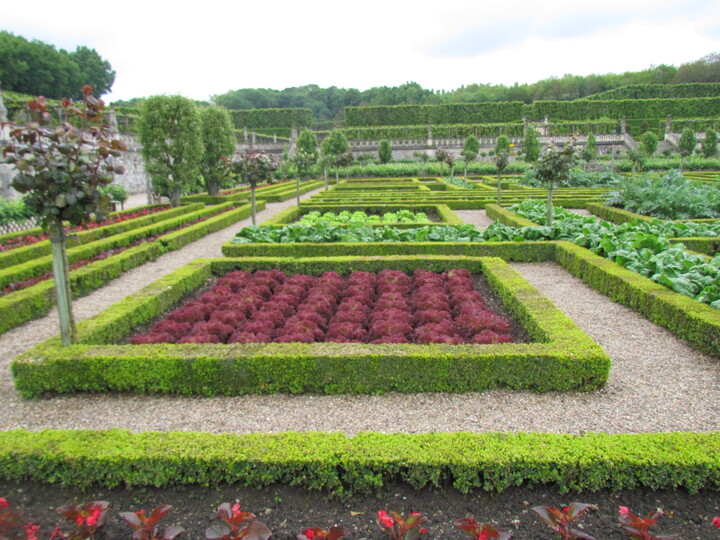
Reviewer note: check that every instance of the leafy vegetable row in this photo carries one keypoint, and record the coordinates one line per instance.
(401, 216)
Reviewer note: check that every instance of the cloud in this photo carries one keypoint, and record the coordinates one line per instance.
(481, 38)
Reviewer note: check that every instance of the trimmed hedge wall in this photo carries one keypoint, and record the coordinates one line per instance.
(299, 117)
(365, 463)
(506, 217)
(562, 358)
(660, 91)
(33, 302)
(614, 215)
(415, 115)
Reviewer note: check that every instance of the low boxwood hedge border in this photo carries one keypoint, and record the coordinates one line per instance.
(343, 465)
(447, 216)
(561, 358)
(42, 248)
(33, 302)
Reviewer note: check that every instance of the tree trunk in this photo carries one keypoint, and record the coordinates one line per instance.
(297, 190)
(551, 184)
(175, 197)
(337, 176)
(68, 331)
(499, 189)
(213, 188)
(252, 204)
(325, 177)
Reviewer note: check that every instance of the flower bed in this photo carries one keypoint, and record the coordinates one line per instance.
(560, 358)
(389, 307)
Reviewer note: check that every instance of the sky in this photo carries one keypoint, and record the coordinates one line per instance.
(205, 48)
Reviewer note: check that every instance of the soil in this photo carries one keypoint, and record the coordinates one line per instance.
(287, 511)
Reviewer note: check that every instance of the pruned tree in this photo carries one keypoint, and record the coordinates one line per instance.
(531, 145)
(253, 168)
(470, 150)
(60, 170)
(172, 144)
(637, 158)
(333, 147)
(709, 144)
(501, 162)
(385, 151)
(306, 155)
(502, 144)
(648, 143)
(554, 166)
(686, 145)
(589, 151)
(441, 157)
(218, 139)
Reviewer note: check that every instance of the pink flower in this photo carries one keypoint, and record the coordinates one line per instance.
(94, 516)
(624, 510)
(309, 534)
(716, 521)
(31, 531)
(385, 520)
(3, 503)
(236, 510)
(423, 530)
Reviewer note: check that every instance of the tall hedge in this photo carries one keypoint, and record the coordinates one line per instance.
(454, 113)
(272, 118)
(629, 108)
(660, 91)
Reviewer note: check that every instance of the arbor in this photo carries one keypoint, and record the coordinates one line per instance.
(553, 166)
(648, 143)
(710, 143)
(470, 150)
(172, 147)
(333, 148)
(385, 151)
(60, 170)
(687, 143)
(218, 139)
(531, 145)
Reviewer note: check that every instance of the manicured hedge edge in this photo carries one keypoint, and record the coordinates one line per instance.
(342, 465)
(700, 244)
(288, 191)
(507, 217)
(447, 216)
(471, 201)
(41, 265)
(33, 302)
(564, 358)
(615, 215)
(685, 317)
(509, 251)
(41, 249)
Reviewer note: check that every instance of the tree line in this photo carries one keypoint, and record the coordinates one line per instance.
(328, 104)
(39, 69)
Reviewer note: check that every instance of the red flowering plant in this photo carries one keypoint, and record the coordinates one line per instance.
(716, 521)
(146, 527)
(638, 527)
(236, 525)
(317, 533)
(9, 518)
(86, 519)
(560, 519)
(482, 531)
(402, 529)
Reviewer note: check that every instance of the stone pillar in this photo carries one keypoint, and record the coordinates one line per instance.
(3, 110)
(254, 140)
(668, 125)
(623, 126)
(430, 137)
(112, 121)
(245, 135)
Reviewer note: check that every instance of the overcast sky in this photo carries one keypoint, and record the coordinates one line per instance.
(204, 48)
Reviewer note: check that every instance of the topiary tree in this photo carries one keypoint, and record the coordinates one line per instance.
(253, 168)
(218, 139)
(333, 147)
(589, 150)
(501, 162)
(306, 155)
(502, 144)
(450, 160)
(648, 143)
(385, 151)
(61, 169)
(709, 144)
(553, 166)
(441, 156)
(531, 145)
(172, 144)
(686, 145)
(470, 150)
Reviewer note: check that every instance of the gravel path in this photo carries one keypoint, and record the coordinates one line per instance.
(657, 382)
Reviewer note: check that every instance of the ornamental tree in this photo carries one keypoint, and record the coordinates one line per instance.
(385, 151)
(218, 139)
(531, 145)
(61, 169)
(554, 166)
(687, 143)
(441, 156)
(710, 143)
(589, 151)
(648, 143)
(502, 144)
(502, 159)
(470, 150)
(172, 144)
(253, 168)
(332, 149)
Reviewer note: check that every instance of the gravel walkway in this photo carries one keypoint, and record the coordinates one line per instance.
(657, 382)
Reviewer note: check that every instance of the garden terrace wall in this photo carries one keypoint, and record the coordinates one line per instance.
(41, 249)
(561, 358)
(39, 266)
(335, 463)
(33, 302)
(447, 216)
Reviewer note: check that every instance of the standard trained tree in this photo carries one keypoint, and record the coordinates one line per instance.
(306, 155)
(332, 149)
(61, 169)
(648, 143)
(218, 138)
(686, 145)
(531, 145)
(253, 168)
(470, 150)
(385, 151)
(710, 143)
(502, 144)
(589, 151)
(554, 166)
(172, 144)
